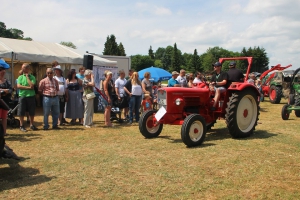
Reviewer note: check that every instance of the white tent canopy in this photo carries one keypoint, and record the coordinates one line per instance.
(43, 52)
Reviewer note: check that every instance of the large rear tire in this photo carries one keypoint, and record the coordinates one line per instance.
(275, 94)
(146, 126)
(285, 114)
(193, 130)
(242, 113)
(297, 103)
(2, 140)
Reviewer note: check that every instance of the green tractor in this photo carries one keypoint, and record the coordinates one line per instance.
(294, 97)
(275, 83)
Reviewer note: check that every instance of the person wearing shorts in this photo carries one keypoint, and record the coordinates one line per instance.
(219, 83)
(25, 85)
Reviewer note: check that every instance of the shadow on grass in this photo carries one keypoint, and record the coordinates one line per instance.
(262, 109)
(16, 176)
(259, 134)
(24, 137)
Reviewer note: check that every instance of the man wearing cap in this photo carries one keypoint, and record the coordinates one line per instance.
(182, 79)
(234, 74)
(219, 82)
(62, 94)
(173, 82)
(25, 85)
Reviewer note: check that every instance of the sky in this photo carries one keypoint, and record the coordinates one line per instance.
(192, 24)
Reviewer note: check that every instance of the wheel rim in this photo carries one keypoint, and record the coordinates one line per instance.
(150, 126)
(196, 131)
(246, 113)
(273, 94)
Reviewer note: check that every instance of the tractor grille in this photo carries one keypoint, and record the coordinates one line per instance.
(191, 101)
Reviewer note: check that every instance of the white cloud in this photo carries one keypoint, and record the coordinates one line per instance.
(273, 25)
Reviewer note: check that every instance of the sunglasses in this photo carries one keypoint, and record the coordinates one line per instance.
(49, 72)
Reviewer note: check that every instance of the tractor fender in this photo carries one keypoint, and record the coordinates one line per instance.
(243, 86)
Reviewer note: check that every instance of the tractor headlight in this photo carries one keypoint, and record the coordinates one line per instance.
(178, 101)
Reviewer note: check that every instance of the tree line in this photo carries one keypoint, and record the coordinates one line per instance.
(171, 58)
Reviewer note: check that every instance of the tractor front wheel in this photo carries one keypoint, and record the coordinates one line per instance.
(147, 126)
(285, 114)
(275, 94)
(242, 113)
(193, 130)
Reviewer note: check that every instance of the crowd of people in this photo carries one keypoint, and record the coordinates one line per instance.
(73, 97)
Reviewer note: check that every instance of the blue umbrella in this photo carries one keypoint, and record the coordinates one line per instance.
(157, 74)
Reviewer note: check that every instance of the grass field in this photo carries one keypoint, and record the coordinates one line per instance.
(118, 163)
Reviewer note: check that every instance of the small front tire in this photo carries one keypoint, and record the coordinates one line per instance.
(285, 114)
(147, 126)
(193, 130)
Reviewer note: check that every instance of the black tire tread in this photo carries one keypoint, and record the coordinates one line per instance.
(142, 125)
(278, 91)
(188, 122)
(231, 113)
(284, 113)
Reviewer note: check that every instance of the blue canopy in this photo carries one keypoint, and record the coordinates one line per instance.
(157, 74)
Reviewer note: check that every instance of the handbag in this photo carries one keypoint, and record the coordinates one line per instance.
(90, 96)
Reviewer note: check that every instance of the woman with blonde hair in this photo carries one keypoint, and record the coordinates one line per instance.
(134, 90)
(108, 89)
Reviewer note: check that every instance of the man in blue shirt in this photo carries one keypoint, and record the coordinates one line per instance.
(173, 82)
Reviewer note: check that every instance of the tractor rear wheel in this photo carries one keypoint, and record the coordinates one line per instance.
(275, 94)
(2, 141)
(193, 130)
(285, 114)
(146, 126)
(242, 113)
(297, 103)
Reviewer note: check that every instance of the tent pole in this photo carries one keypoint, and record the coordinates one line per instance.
(12, 67)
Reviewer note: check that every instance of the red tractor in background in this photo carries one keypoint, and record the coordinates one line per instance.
(275, 83)
(190, 108)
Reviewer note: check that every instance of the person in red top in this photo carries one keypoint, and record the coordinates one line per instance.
(146, 103)
(49, 87)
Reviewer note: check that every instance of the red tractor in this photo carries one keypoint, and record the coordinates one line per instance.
(190, 108)
(275, 83)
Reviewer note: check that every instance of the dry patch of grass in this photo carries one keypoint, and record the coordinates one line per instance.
(118, 163)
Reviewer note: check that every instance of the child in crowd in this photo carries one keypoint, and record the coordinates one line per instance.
(155, 89)
(146, 103)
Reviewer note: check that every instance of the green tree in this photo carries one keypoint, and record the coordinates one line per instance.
(159, 53)
(260, 60)
(121, 50)
(187, 62)
(139, 62)
(167, 57)
(111, 46)
(12, 33)
(175, 60)
(68, 44)
(150, 53)
(157, 63)
(195, 62)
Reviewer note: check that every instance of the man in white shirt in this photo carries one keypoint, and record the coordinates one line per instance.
(119, 87)
(62, 94)
(182, 79)
(197, 78)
